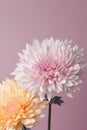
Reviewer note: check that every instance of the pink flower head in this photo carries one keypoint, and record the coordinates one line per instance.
(50, 66)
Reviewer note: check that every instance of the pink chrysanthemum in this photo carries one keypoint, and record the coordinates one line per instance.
(50, 66)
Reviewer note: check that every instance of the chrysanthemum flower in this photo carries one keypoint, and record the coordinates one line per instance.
(50, 66)
(17, 107)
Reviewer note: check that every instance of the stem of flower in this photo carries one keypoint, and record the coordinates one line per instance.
(49, 116)
(24, 128)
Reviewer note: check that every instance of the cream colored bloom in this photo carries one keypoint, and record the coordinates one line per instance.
(52, 65)
(18, 107)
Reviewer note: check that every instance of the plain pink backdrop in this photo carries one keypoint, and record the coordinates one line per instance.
(23, 20)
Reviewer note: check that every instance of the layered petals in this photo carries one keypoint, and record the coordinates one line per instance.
(52, 65)
(17, 107)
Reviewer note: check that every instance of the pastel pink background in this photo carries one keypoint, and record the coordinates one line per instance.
(23, 20)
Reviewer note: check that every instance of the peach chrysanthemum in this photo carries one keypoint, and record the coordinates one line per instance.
(17, 107)
(52, 65)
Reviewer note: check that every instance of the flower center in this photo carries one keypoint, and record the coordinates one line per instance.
(12, 106)
(47, 69)
(48, 65)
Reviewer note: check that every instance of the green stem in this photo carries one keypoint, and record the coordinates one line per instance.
(49, 117)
